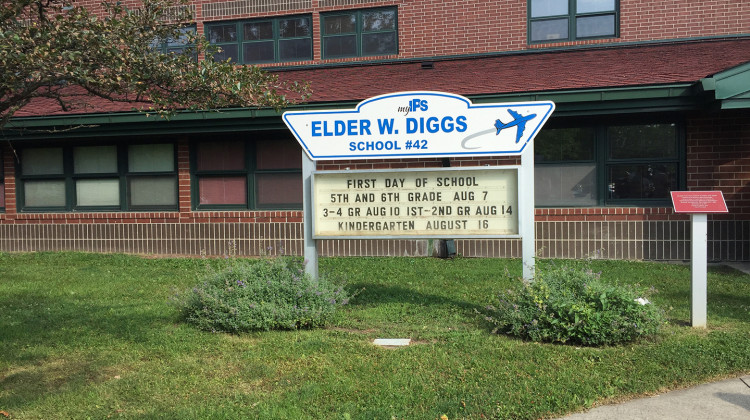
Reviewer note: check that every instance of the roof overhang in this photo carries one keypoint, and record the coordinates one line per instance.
(578, 102)
(730, 88)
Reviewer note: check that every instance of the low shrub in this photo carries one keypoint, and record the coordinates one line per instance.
(264, 294)
(574, 305)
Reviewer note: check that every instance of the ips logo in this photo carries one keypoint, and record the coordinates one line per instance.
(414, 106)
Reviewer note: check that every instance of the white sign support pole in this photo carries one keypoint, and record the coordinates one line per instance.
(311, 251)
(698, 269)
(526, 216)
(698, 204)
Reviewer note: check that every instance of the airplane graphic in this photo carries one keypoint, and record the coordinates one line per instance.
(519, 122)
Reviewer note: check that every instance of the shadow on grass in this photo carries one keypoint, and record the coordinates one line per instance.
(33, 319)
(730, 306)
(39, 379)
(55, 344)
(373, 295)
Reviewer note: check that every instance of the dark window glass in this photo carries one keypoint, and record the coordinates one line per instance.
(255, 31)
(295, 49)
(565, 144)
(175, 44)
(644, 181)
(340, 46)
(379, 20)
(380, 43)
(218, 34)
(256, 52)
(359, 34)
(294, 28)
(263, 41)
(653, 141)
(341, 24)
(227, 52)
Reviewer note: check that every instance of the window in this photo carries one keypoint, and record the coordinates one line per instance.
(607, 165)
(565, 20)
(565, 170)
(177, 45)
(237, 174)
(360, 33)
(98, 177)
(642, 162)
(263, 40)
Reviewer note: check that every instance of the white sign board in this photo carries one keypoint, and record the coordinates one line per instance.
(418, 124)
(417, 203)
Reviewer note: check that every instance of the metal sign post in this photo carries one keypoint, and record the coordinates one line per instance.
(310, 246)
(699, 270)
(527, 208)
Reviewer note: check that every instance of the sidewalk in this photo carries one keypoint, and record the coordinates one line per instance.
(725, 400)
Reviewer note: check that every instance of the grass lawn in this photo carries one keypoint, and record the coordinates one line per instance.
(93, 336)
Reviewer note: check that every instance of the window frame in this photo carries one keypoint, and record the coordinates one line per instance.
(572, 17)
(276, 37)
(358, 32)
(249, 173)
(122, 174)
(603, 162)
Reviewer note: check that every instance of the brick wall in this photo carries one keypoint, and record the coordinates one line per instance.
(658, 19)
(458, 27)
(718, 159)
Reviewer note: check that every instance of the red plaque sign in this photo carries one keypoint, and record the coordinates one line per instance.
(699, 202)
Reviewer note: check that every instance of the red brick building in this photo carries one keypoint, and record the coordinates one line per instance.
(651, 96)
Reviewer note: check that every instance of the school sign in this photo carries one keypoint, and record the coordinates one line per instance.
(418, 124)
(485, 202)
